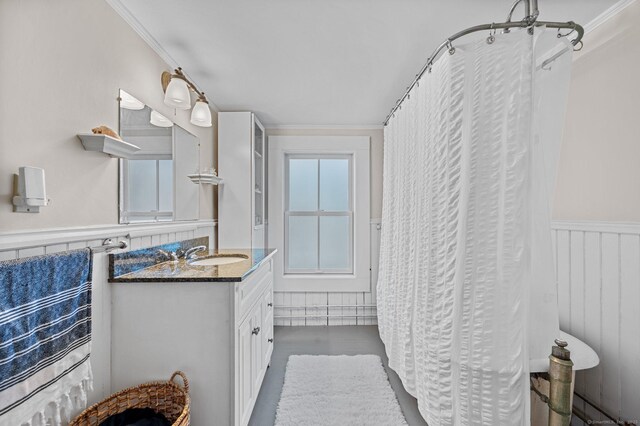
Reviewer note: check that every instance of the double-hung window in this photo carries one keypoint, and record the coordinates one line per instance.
(318, 214)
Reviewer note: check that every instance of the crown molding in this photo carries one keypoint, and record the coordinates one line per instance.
(607, 14)
(133, 22)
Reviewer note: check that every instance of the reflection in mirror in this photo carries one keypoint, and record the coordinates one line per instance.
(153, 184)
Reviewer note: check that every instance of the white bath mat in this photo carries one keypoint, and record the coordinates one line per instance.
(322, 390)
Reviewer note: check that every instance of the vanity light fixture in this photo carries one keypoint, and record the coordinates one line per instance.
(159, 120)
(201, 114)
(177, 95)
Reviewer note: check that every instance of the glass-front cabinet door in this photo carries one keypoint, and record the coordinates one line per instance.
(259, 186)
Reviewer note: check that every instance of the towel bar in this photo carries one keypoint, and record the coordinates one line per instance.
(108, 245)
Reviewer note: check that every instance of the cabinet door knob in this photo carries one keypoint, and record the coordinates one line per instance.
(270, 340)
(269, 304)
(255, 331)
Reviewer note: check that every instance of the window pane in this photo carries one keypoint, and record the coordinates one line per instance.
(303, 185)
(142, 185)
(165, 182)
(303, 242)
(335, 247)
(334, 184)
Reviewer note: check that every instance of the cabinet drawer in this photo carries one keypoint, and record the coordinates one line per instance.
(249, 291)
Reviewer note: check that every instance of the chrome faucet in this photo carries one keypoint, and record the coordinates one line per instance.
(191, 253)
(164, 256)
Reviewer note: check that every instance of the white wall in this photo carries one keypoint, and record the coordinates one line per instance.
(598, 189)
(599, 177)
(62, 63)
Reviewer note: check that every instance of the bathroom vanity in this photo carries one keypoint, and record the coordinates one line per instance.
(207, 317)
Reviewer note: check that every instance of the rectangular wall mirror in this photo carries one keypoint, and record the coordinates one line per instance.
(154, 185)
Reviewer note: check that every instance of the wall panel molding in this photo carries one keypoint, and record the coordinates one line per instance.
(598, 273)
(597, 226)
(20, 240)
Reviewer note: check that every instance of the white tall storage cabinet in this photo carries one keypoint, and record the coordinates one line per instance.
(242, 199)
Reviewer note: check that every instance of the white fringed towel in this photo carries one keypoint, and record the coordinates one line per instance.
(45, 326)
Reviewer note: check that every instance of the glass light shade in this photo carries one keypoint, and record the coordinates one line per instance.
(129, 102)
(160, 120)
(177, 94)
(201, 114)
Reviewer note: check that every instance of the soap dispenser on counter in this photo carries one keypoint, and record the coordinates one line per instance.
(31, 191)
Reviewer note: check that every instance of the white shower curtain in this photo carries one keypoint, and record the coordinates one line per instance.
(465, 200)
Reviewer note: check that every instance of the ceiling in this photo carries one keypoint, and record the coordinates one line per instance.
(323, 62)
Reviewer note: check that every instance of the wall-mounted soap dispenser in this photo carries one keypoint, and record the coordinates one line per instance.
(31, 191)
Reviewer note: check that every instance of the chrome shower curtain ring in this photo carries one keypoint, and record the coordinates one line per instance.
(564, 35)
(452, 49)
(492, 35)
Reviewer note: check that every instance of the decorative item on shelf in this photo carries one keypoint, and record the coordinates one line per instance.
(177, 95)
(104, 130)
(31, 190)
(206, 176)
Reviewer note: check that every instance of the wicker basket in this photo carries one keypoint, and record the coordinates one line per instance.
(166, 397)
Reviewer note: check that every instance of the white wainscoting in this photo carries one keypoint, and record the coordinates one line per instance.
(598, 270)
(15, 245)
(326, 308)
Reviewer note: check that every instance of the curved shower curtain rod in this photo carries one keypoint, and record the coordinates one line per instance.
(530, 20)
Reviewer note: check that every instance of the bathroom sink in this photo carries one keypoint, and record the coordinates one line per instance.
(218, 259)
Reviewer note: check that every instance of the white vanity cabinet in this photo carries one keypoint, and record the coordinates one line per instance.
(242, 200)
(219, 333)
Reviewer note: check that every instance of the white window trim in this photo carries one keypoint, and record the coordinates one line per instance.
(319, 213)
(358, 148)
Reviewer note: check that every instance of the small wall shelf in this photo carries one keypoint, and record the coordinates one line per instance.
(108, 145)
(205, 178)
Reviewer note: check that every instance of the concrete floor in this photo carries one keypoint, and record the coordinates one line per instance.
(336, 340)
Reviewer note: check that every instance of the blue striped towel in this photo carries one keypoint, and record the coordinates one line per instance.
(45, 331)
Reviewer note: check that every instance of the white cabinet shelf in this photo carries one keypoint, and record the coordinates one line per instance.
(207, 179)
(108, 145)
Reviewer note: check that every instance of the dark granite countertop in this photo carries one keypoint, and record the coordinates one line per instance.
(182, 271)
